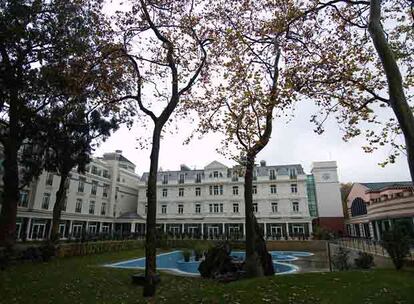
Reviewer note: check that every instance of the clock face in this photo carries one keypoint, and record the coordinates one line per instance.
(326, 176)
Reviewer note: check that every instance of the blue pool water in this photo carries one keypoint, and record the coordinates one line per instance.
(174, 261)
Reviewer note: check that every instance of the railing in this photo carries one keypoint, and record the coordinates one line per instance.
(369, 246)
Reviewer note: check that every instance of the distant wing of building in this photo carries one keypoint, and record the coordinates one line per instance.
(376, 207)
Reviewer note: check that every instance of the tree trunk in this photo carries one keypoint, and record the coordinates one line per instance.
(10, 195)
(398, 101)
(253, 264)
(57, 208)
(10, 178)
(150, 241)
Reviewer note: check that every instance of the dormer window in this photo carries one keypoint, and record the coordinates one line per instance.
(292, 173)
(215, 174)
(165, 179)
(181, 178)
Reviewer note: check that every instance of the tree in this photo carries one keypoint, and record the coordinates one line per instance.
(166, 47)
(396, 242)
(252, 61)
(72, 132)
(345, 189)
(362, 63)
(35, 36)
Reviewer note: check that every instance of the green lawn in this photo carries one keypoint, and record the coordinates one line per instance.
(83, 280)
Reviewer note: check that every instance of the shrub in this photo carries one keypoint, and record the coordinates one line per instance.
(186, 255)
(321, 233)
(340, 259)
(396, 243)
(48, 250)
(364, 260)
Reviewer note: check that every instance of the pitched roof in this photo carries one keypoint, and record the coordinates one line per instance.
(383, 185)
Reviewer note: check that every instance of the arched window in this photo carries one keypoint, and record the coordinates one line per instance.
(358, 207)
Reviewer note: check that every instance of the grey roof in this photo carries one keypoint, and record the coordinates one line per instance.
(115, 156)
(383, 185)
(130, 216)
(191, 174)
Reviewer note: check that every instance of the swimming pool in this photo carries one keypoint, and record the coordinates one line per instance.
(174, 261)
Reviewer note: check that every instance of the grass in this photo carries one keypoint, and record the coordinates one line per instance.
(83, 280)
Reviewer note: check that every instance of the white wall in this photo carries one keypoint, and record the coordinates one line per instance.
(328, 191)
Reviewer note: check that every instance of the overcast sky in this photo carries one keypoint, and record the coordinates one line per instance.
(291, 143)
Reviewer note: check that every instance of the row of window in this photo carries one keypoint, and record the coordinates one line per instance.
(81, 185)
(217, 174)
(218, 190)
(78, 205)
(218, 208)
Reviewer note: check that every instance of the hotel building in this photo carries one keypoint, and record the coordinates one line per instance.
(110, 198)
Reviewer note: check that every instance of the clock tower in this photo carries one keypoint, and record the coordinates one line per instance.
(328, 194)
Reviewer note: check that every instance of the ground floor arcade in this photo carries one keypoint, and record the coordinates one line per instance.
(375, 228)
(39, 228)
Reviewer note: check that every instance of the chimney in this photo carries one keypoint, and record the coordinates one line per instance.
(184, 168)
(118, 151)
(262, 163)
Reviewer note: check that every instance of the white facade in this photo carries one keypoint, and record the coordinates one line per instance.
(327, 189)
(110, 197)
(210, 201)
(95, 200)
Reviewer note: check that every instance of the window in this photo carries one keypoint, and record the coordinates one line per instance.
(274, 207)
(197, 208)
(103, 209)
(105, 190)
(254, 174)
(295, 206)
(216, 208)
(254, 189)
(181, 192)
(272, 174)
(165, 179)
(94, 170)
(273, 189)
(94, 187)
(92, 207)
(235, 190)
(180, 209)
(164, 209)
(292, 173)
(235, 208)
(146, 208)
(81, 185)
(254, 207)
(181, 179)
(46, 201)
(216, 190)
(294, 188)
(164, 192)
(215, 174)
(23, 199)
(105, 173)
(197, 191)
(198, 178)
(49, 179)
(78, 206)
